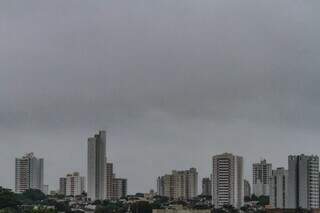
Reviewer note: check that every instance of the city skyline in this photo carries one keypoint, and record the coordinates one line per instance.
(55, 186)
(173, 84)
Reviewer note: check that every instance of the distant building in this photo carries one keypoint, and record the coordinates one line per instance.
(28, 173)
(279, 188)
(109, 180)
(180, 209)
(62, 185)
(72, 184)
(227, 180)
(96, 166)
(246, 188)
(45, 189)
(179, 184)
(120, 188)
(303, 181)
(261, 178)
(206, 187)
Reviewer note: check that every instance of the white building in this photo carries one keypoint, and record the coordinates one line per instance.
(74, 184)
(179, 184)
(227, 180)
(28, 173)
(303, 181)
(261, 175)
(279, 188)
(96, 166)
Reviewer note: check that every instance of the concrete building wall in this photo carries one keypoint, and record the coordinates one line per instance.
(96, 166)
(227, 180)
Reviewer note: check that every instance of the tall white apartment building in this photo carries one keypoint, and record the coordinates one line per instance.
(279, 188)
(303, 181)
(227, 180)
(96, 166)
(179, 184)
(28, 173)
(261, 175)
(75, 184)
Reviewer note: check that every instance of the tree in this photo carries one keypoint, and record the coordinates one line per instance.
(141, 207)
(263, 200)
(33, 195)
(8, 199)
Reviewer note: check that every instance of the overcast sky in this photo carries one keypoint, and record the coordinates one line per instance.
(173, 82)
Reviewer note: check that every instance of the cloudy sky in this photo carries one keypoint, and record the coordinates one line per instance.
(174, 82)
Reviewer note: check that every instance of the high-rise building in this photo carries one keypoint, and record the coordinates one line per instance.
(206, 186)
(28, 173)
(303, 181)
(279, 188)
(62, 185)
(74, 184)
(119, 188)
(261, 178)
(96, 166)
(179, 184)
(246, 188)
(109, 180)
(227, 180)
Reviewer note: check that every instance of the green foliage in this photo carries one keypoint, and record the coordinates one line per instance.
(141, 207)
(33, 195)
(254, 197)
(108, 207)
(263, 200)
(8, 200)
(8, 210)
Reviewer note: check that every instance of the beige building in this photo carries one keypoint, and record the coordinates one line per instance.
(179, 184)
(180, 209)
(72, 185)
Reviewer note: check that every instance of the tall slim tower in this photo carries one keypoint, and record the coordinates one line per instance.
(227, 180)
(28, 173)
(97, 166)
(261, 176)
(303, 181)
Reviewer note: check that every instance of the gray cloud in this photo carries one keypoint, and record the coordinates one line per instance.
(174, 82)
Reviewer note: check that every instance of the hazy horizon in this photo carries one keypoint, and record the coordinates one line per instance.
(173, 83)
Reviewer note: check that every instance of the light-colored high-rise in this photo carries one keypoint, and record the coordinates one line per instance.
(261, 175)
(28, 173)
(96, 166)
(206, 186)
(227, 180)
(179, 185)
(303, 181)
(279, 188)
(246, 188)
(74, 184)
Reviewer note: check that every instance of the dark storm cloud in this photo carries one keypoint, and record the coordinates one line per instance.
(174, 82)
